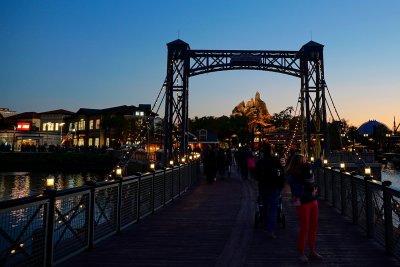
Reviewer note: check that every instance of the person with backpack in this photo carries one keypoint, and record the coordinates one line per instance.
(269, 175)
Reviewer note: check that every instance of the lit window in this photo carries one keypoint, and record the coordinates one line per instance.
(107, 141)
(81, 125)
(44, 128)
(91, 125)
(90, 141)
(96, 142)
(98, 124)
(81, 142)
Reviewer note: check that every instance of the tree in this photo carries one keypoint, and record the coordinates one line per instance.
(283, 118)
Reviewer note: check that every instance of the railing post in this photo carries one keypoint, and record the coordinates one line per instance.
(119, 205)
(368, 207)
(51, 193)
(333, 189)
(152, 191)
(388, 209)
(164, 187)
(172, 182)
(179, 179)
(92, 202)
(325, 185)
(354, 200)
(138, 199)
(342, 194)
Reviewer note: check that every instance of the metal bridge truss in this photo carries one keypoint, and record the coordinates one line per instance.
(306, 64)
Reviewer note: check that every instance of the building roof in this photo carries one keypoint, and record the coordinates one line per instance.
(25, 115)
(58, 111)
(122, 110)
(368, 127)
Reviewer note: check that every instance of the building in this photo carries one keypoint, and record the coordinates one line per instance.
(110, 127)
(6, 112)
(29, 131)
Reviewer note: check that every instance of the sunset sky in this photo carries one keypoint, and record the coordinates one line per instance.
(97, 54)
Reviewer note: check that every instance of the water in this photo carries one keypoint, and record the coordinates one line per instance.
(21, 184)
(392, 175)
(15, 185)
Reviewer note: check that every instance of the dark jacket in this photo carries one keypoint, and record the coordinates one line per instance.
(269, 174)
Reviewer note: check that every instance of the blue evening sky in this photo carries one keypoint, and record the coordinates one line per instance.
(75, 54)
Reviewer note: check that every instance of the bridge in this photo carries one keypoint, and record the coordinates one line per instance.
(172, 217)
(306, 64)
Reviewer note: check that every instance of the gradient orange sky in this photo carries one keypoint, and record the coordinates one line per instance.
(98, 54)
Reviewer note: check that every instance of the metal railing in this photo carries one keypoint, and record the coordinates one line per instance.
(371, 204)
(48, 229)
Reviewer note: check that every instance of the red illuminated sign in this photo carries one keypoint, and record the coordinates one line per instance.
(23, 126)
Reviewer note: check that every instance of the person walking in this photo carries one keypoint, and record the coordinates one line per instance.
(210, 164)
(270, 183)
(302, 184)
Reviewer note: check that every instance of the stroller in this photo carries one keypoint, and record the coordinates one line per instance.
(259, 213)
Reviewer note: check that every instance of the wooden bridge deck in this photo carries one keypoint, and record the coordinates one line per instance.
(213, 225)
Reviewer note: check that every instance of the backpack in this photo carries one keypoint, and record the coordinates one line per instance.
(269, 174)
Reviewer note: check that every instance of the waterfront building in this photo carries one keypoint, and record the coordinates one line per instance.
(6, 112)
(110, 127)
(53, 121)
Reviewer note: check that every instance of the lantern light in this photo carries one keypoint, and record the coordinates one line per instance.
(367, 171)
(342, 166)
(118, 171)
(50, 181)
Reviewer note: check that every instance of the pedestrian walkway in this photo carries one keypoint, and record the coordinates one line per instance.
(213, 225)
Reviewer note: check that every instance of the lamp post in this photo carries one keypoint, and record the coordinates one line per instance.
(61, 132)
(13, 142)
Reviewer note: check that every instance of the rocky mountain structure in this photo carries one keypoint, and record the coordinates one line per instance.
(256, 110)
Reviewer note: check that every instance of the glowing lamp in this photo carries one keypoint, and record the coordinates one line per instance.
(312, 159)
(342, 166)
(152, 166)
(325, 162)
(50, 181)
(171, 162)
(118, 171)
(367, 171)
(183, 160)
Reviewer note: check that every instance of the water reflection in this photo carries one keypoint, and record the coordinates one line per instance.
(21, 184)
(391, 174)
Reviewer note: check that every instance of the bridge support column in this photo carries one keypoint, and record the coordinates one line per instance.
(313, 98)
(176, 102)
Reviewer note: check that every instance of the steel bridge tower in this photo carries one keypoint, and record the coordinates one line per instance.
(306, 64)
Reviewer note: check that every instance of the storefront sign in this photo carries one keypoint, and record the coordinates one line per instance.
(23, 126)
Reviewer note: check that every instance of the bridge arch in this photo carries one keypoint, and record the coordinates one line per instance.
(306, 64)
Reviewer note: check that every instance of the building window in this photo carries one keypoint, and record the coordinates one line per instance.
(90, 141)
(97, 142)
(81, 125)
(91, 125)
(107, 141)
(139, 113)
(81, 142)
(98, 124)
(44, 128)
